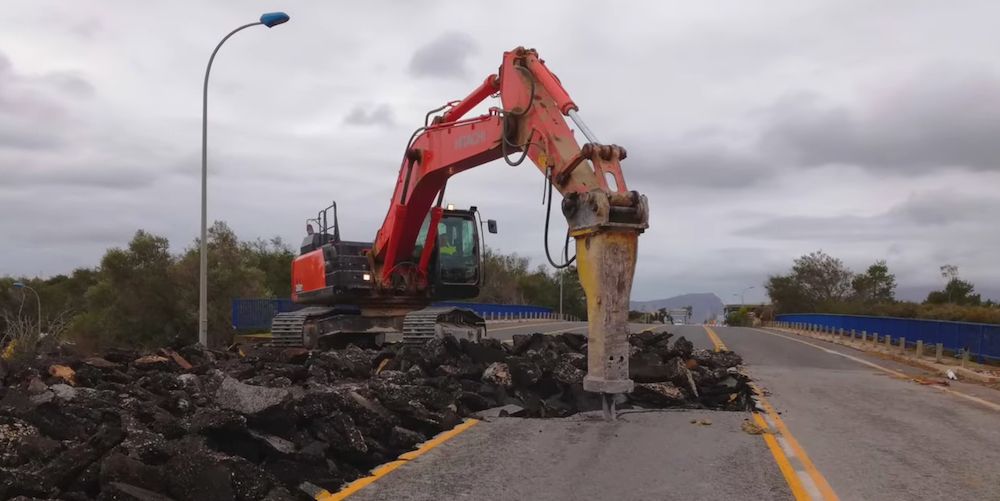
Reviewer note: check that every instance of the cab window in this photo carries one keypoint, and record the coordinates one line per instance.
(456, 241)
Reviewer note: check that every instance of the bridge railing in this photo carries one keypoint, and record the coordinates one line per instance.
(980, 340)
(255, 314)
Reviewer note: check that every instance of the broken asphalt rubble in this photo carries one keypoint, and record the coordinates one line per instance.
(257, 422)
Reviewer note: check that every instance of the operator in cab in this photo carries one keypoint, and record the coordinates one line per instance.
(446, 246)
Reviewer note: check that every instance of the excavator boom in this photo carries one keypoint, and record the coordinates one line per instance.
(405, 268)
(604, 217)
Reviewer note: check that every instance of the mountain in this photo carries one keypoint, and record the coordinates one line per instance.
(706, 305)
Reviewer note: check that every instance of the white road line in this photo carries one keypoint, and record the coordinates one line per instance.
(807, 482)
(985, 403)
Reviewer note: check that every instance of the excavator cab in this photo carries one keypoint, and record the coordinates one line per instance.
(455, 270)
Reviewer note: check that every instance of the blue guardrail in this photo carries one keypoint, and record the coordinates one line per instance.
(982, 340)
(256, 314)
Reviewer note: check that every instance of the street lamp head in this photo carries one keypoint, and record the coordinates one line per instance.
(272, 19)
(19, 285)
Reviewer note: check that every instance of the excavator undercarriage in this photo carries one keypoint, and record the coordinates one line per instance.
(327, 327)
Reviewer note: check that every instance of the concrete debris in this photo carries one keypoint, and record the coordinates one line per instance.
(63, 391)
(658, 394)
(499, 374)
(100, 363)
(502, 411)
(753, 428)
(36, 386)
(249, 399)
(259, 422)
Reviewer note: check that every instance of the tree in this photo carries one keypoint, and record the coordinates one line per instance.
(817, 280)
(823, 278)
(231, 274)
(957, 291)
(876, 284)
(502, 273)
(274, 259)
(574, 299)
(739, 318)
(949, 272)
(134, 298)
(508, 281)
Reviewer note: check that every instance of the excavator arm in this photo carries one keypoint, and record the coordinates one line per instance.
(604, 217)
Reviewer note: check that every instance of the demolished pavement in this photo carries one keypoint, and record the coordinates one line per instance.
(259, 422)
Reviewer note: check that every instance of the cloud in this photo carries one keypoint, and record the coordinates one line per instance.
(59, 173)
(36, 109)
(380, 114)
(937, 216)
(711, 166)
(100, 120)
(945, 208)
(444, 57)
(938, 118)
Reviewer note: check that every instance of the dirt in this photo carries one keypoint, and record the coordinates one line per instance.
(258, 422)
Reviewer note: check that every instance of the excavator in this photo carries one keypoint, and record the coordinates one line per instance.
(425, 253)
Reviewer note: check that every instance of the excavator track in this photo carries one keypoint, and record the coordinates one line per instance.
(288, 328)
(422, 325)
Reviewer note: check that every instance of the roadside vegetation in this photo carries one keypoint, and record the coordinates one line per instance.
(145, 295)
(820, 283)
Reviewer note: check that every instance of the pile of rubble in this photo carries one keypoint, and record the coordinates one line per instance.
(258, 422)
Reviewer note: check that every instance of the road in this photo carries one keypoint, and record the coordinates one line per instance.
(871, 434)
(864, 432)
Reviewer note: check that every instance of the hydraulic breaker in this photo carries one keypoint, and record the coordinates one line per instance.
(606, 228)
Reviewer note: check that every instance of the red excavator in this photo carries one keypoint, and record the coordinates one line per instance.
(425, 253)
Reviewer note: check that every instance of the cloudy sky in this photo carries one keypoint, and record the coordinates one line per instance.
(870, 130)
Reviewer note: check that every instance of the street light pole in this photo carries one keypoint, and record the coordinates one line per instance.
(561, 273)
(270, 20)
(742, 302)
(38, 301)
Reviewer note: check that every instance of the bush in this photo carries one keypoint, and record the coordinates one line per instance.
(19, 340)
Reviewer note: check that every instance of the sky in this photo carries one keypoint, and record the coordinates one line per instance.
(759, 131)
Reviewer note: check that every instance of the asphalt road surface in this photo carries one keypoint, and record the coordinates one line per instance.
(869, 435)
(872, 434)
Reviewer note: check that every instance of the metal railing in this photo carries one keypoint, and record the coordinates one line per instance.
(981, 340)
(256, 314)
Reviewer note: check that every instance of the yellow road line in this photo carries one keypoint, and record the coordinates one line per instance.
(826, 492)
(440, 439)
(806, 482)
(387, 468)
(716, 340)
(784, 465)
(985, 403)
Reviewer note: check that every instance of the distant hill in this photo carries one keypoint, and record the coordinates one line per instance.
(705, 305)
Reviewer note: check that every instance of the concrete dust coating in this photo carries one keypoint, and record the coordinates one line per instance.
(645, 455)
(871, 435)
